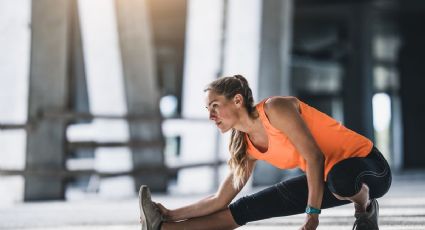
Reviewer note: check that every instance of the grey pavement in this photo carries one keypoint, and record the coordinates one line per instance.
(402, 208)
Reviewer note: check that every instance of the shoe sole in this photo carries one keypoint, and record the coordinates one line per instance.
(145, 223)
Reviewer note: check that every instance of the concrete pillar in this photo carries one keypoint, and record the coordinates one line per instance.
(274, 69)
(203, 47)
(412, 81)
(240, 54)
(396, 134)
(275, 51)
(242, 38)
(48, 90)
(140, 80)
(79, 101)
(358, 80)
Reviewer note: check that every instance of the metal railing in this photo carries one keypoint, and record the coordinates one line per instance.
(171, 171)
(69, 116)
(70, 146)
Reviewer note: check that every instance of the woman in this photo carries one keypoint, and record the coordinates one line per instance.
(340, 165)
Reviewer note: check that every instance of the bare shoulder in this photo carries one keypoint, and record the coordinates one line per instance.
(280, 104)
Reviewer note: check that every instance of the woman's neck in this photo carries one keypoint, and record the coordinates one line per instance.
(249, 125)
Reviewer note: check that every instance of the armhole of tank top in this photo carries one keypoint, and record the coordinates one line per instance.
(299, 105)
(249, 145)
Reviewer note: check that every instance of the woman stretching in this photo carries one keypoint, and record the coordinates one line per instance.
(340, 166)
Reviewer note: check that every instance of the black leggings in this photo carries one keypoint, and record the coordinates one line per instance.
(290, 197)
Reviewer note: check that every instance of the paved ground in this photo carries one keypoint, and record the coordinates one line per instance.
(402, 208)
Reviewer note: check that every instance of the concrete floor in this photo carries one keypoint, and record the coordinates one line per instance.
(402, 208)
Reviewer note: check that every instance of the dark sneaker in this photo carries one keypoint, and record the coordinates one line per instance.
(368, 220)
(149, 214)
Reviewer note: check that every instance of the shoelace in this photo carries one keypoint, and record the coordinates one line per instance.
(364, 223)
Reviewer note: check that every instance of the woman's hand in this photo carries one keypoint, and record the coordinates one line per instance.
(311, 222)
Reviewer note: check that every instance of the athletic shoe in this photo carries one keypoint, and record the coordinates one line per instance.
(149, 214)
(368, 220)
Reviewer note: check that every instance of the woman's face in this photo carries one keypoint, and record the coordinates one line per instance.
(221, 110)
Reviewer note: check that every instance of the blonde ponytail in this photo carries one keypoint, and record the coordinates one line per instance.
(238, 162)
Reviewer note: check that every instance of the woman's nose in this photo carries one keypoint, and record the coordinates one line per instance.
(212, 116)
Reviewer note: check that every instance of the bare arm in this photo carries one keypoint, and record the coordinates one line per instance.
(210, 204)
(284, 114)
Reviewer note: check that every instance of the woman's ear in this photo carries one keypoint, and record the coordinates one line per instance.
(238, 100)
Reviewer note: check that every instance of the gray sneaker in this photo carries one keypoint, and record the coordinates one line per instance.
(369, 219)
(149, 214)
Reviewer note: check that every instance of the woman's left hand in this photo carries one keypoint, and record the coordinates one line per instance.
(311, 222)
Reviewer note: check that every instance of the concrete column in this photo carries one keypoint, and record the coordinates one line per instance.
(274, 69)
(276, 37)
(242, 39)
(79, 101)
(203, 47)
(412, 81)
(140, 80)
(48, 90)
(358, 80)
(396, 134)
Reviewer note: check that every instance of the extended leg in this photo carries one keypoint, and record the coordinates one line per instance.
(220, 220)
(283, 199)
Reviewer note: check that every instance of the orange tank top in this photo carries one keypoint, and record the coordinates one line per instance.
(335, 141)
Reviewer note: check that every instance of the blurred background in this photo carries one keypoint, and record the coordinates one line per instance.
(100, 96)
